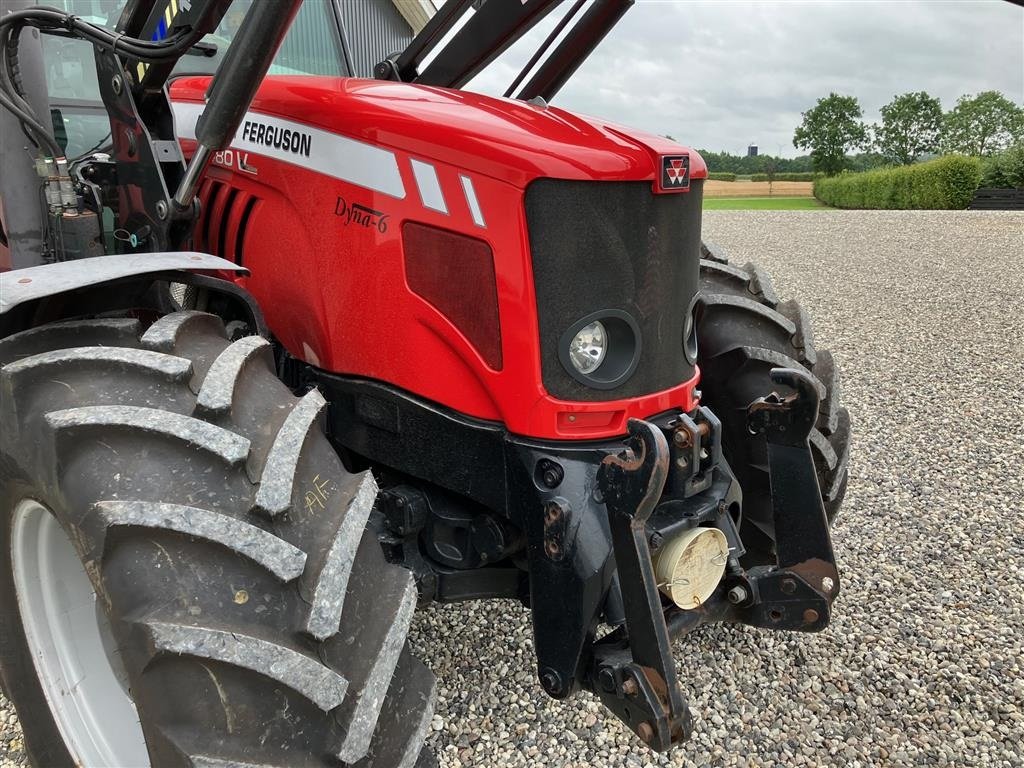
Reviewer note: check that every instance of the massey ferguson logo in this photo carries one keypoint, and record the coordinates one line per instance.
(675, 172)
(287, 139)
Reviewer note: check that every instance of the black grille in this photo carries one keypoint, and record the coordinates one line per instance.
(614, 245)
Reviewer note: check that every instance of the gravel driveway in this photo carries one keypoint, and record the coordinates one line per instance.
(924, 661)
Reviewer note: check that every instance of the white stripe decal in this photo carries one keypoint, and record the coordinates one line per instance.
(317, 150)
(472, 202)
(429, 186)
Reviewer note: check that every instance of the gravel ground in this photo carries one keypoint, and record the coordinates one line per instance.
(924, 661)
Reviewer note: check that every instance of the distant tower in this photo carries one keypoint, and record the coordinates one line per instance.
(752, 150)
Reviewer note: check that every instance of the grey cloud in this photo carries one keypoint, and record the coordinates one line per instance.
(722, 74)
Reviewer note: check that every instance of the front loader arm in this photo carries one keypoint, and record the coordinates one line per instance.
(156, 189)
(489, 31)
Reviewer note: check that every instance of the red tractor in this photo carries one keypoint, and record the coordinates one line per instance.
(297, 355)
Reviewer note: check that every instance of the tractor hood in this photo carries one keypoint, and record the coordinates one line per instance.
(508, 140)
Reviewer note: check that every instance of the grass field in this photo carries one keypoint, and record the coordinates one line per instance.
(762, 204)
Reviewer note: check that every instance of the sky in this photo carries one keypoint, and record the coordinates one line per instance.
(721, 74)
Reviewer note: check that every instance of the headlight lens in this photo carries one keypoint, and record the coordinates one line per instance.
(602, 349)
(588, 347)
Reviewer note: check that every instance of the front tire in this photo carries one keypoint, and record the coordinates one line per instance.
(250, 606)
(743, 333)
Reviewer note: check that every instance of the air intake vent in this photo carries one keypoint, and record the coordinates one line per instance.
(223, 220)
(455, 273)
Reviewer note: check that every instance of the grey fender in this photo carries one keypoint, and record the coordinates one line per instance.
(31, 283)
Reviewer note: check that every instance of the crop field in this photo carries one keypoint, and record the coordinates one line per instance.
(758, 189)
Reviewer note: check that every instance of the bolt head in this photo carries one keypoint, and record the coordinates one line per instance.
(645, 732)
(552, 511)
(737, 595)
(550, 473)
(630, 687)
(788, 586)
(551, 681)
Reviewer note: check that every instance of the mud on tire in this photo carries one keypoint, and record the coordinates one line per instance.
(744, 332)
(257, 619)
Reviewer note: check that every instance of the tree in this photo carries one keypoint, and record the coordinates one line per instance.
(867, 161)
(983, 124)
(831, 128)
(770, 167)
(745, 165)
(911, 126)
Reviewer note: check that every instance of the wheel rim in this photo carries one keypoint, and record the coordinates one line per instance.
(69, 637)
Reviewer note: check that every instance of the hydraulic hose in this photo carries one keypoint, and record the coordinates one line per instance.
(47, 18)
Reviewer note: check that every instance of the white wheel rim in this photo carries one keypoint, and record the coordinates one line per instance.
(80, 673)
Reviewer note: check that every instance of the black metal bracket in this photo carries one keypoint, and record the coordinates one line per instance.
(148, 159)
(796, 594)
(638, 681)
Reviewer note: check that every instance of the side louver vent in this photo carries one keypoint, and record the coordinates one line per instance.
(224, 219)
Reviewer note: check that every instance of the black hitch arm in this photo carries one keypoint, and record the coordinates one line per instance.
(797, 594)
(635, 676)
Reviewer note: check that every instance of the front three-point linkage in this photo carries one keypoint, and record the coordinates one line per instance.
(632, 670)
(635, 675)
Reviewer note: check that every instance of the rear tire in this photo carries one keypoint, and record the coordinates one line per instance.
(256, 617)
(743, 333)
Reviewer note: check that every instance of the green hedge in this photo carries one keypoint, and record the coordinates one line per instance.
(948, 182)
(1005, 170)
(785, 177)
(721, 177)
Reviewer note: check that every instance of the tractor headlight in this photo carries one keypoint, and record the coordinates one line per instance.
(588, 347)
(602, 349)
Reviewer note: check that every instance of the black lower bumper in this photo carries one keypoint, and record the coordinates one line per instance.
(569, 528)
